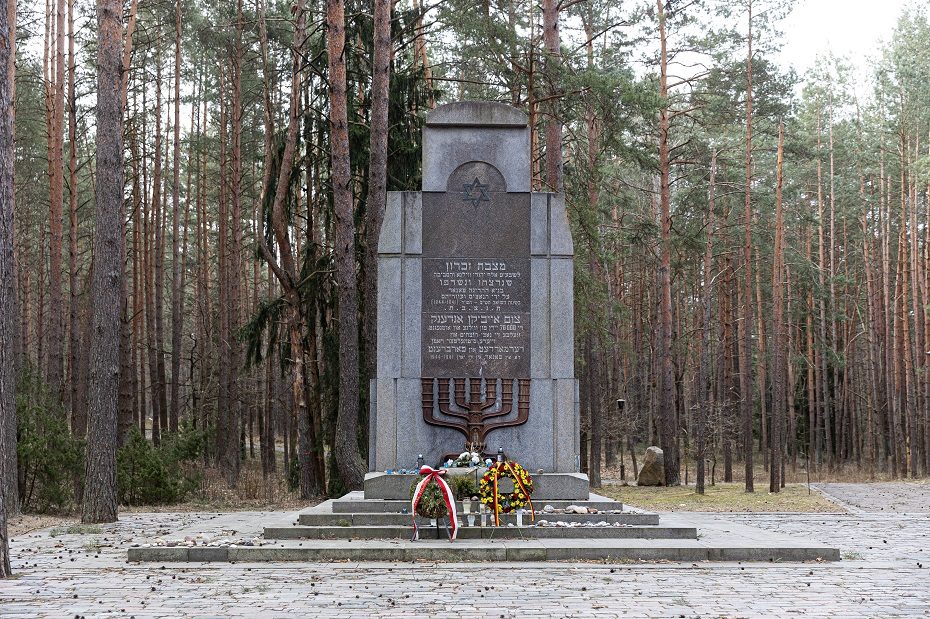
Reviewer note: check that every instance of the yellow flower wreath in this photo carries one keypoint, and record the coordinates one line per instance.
(522, 487)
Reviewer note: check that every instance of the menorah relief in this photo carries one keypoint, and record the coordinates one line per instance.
(472, 414)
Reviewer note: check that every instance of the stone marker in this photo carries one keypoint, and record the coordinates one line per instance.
(652, 472)
(475, 306)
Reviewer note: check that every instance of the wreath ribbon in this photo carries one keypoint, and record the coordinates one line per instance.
(519, 483)
(431, 474)
(497, 519)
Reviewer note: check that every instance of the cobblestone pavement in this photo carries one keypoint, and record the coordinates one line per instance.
(897, 497)
(885, 573)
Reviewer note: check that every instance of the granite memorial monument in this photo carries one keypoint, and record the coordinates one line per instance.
(475, 306)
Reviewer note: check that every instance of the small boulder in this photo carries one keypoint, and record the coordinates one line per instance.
(652, 472)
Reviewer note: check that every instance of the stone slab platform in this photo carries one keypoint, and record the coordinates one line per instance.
(322, 519)
(546, 486)
(488, 533)
(720, 538)
(501, 550)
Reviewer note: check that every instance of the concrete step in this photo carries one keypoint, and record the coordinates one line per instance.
(504, 532)
(353, 505)
(316, 519)
(608, 550)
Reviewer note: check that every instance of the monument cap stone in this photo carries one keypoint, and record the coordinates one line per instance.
(476, 131)
(476, 114)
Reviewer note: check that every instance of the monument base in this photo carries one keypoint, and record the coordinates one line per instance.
(354, 528)
(547, 486)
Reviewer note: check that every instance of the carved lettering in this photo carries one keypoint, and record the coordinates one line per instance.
(476, 316)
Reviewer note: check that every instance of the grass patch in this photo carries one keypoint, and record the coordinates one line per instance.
(722, 498)
(76, 529)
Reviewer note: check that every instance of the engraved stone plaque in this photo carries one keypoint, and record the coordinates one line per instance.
(476, 277)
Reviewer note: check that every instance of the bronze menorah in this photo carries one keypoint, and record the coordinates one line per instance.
(476, 409)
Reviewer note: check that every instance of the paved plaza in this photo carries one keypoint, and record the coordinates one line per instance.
(885, 572)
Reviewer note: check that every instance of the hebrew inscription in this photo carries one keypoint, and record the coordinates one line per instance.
(476, 277)
(476, 317)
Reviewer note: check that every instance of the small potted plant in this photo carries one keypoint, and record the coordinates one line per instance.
(464, 487)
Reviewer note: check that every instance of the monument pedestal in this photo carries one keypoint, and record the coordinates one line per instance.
(355, 528)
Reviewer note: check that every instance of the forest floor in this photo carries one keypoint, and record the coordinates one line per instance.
(884, 539)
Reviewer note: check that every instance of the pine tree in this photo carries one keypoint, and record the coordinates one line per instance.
(100, 483)
(351, 467)
(9, 498)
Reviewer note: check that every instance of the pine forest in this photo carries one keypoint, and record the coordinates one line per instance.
(192, 192)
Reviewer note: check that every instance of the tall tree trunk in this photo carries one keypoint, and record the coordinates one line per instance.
(779, 344)
(593, 346)
(177, 316)
(78, 405)
(156, 262)
(377, 177)
(9, 493)
(831, 380)
(926, 343)
(792, 437)
(747, 390)
(100, 478)
(419, 50)
(822, 436)
(204, 307)
(554, 120)
(310, 471)
(161, 208)
(917, 350)
(192, 160)
(56, 200)
(224, 433)
(234, 264)
(268, 438)
(727, 390)
(138, 303)
(666, 369)
(351, 467)
(761, 362)
(705, 385)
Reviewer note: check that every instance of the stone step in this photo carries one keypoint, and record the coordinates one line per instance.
(358, 505)
(608, 550)
(312, 519)
(505, 532)
(552, 486)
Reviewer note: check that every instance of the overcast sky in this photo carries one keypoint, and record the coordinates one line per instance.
(850, 28)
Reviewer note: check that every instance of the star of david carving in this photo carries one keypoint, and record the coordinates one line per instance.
(475, 192)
